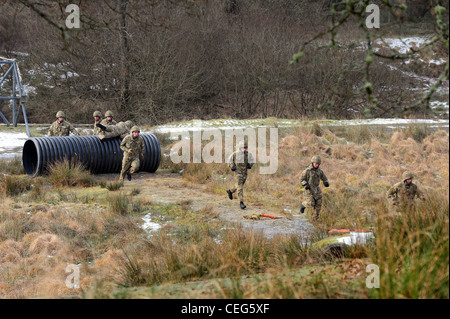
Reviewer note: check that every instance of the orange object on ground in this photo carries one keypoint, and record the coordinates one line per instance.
(270, 216)
(363, 230)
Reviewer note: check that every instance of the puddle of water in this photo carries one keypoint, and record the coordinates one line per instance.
(148, 225)
(356, 238)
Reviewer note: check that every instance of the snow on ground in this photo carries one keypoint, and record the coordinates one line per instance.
(403, 45)
(10, 142)
(441, 107)
(195, 126)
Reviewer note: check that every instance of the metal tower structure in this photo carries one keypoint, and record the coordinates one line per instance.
(11, 82)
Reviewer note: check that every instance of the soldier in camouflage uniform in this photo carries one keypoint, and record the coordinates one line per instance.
(61, 127)
(239, 162)
(310, 180)
(122, 129)
(97, 119)
(133, 147)
(109, 119)
(402, 195)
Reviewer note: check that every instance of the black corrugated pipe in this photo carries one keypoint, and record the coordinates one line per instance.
(97, 156)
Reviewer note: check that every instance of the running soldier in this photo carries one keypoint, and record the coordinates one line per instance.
(310, 180)
(402, 195)
(239, 162)
(133, 147)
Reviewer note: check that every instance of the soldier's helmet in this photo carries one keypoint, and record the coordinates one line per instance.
(60, 114)
(316, 159)
(97, 113)
(129, 124)
(243, 144)
(407, 175)
(135, 129)
(109, 114)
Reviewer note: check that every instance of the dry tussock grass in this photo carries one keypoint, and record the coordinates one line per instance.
(36, 246)
(359, 172)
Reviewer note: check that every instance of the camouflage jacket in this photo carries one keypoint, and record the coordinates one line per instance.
(61, 129)
(312, 176)
(132, 146)
(97, 130)
(240, 160)
(402, 193)
(121, 129)
(106, 122)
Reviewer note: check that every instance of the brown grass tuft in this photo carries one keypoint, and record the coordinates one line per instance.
(11, 251)
(48, 244)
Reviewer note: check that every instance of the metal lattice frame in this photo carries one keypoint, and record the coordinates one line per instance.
(17, 95)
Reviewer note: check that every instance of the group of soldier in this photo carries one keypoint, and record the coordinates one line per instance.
(132, 143)
(401, 195)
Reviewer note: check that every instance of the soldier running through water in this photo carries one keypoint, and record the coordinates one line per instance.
(61, 127)
(239, 162)
(133, 147)
(310, 180)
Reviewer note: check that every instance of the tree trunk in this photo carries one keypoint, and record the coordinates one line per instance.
(125, 95)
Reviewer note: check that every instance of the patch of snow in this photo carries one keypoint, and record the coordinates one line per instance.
(23, 54)
(440, 106)
(243, 124)
(389, 122)
(10, 141)
(403, 45)
(436, 104)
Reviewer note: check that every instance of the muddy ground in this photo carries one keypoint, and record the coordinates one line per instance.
(168, 188)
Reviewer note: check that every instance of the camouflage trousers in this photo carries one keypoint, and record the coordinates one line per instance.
(398, 207)
(239, 187)
(311, 202)
(129, 163)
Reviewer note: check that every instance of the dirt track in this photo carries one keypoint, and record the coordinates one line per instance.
(165, 188)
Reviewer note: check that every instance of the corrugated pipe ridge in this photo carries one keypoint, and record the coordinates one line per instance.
(97, 156)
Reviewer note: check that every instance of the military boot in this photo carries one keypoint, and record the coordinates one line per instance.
(302, 208)
(230, 194)
(315, 216)
(242, 205)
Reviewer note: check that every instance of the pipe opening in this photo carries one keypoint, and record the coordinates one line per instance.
(30, 158)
